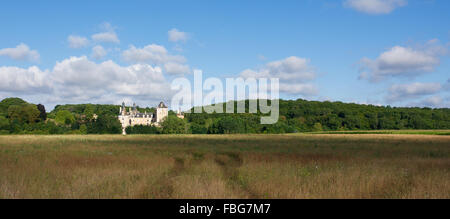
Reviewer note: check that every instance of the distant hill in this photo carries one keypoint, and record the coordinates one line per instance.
(97, 109)
(295, 116)
(303, 116)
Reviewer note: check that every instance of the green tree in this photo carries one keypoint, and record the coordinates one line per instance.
(198, 128)
(317, 127)
(228, 125)
(64, 117)
(89, 112)
(173, 125)
(42, 112)
(4, 123)
(7, 102)
(142, 129)
(83, 129)
(24, 113)
(105, 124)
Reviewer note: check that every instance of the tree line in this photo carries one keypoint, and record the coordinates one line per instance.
(19, 117)
(308, 116)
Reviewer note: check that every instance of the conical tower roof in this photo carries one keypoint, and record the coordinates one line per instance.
(162, 105)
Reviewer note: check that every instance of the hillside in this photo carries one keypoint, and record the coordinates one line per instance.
(20, 117)
(304, 116)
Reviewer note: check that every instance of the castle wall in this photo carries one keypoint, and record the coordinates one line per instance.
(130, 118)
(161, 114)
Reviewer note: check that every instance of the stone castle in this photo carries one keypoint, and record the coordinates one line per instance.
(134, 117)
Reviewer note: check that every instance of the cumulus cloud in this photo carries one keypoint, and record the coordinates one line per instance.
(78, 79)
(79, 75)
(98, 52)
(77, 41)
(402, 62)
(401, 92)
(107, 36)
(293, 72)
(176, 35)
(21, 53)
(375, 6)
(157, 55)
(433, 101)
(174, 68)
(32, 79)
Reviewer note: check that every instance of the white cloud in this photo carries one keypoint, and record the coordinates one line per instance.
(108, 34)
(176, 35)
(434, 101)
(107, 37)
(402, 62)
(32, 79)
(78, 79)
(79, 75)
(21, 53)
(157, 55)
(77, 41)
(375, 6)
(401, 92)
(154, 54)
(98, 52)
(174, 68)
(294, 73)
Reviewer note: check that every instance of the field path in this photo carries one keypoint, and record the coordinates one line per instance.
(229, 163)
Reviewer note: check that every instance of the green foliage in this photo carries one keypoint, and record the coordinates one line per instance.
(89, 111)
(228, 125)
(42, 112)
(142, 129)
(24, 113)
(306, 116)
(317, 127)
(4, 123)
(198, 129)
(7, 102)
(64, 117)
(83, 129)
(20, 117)
(104, 124)
(173, 125)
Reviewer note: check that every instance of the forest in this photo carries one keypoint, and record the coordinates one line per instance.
(20, 117)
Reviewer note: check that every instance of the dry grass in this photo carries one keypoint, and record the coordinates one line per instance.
(225, 166)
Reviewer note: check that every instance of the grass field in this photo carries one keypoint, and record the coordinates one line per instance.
(393, 132)
(225, 166)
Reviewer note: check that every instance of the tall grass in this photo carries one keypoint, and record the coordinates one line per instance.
(225, 166)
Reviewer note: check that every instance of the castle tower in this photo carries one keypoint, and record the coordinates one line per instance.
(161, 112)
(134, 109)
(123, 110)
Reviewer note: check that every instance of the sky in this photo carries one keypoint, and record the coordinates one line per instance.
(380, 52)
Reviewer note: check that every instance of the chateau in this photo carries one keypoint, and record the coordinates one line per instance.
(134, 117)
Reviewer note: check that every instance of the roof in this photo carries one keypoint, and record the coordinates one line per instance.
(142, 115)
(162, 105)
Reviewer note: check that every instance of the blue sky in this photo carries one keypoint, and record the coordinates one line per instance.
(365, 51)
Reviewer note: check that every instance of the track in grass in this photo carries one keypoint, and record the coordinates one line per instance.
(230, 163)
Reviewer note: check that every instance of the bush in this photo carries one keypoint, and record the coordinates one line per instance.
(173, 125)
(141, 129)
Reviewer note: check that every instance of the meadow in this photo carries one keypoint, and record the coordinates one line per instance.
(225, 166)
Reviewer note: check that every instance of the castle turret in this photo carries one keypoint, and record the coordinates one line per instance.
(123, 110)
(161, 112)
